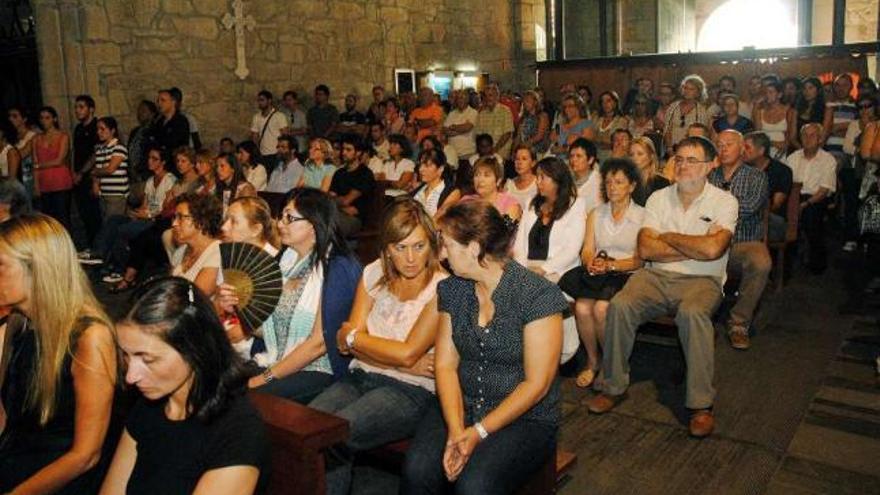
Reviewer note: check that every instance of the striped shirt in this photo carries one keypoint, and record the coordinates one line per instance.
(843, 112)
(115, 184)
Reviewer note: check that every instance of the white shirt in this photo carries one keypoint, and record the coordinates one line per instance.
(566, 239)
(591, 190)
(430, 200)
(393, 319)
(393, 171)
(269, 142)
(382, 150)
(665, 213)
(813, 173)
(524, 196)
(618, 240)
(154, 196)
(256, 175)
(210, 258)
(451, 156)
(464, 144)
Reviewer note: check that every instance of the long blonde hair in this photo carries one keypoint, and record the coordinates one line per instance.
(648, 146)
(59, 295)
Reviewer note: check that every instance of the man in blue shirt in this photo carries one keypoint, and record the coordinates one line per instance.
(288, 172)
(749, 256)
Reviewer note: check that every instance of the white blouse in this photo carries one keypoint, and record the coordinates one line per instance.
(393, 319)
(566, 239)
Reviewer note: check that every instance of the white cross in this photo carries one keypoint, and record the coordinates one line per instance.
(240, 22)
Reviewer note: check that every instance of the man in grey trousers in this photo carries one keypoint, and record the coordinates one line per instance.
(684, 240)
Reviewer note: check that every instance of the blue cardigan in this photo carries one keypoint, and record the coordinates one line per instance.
(341, 279)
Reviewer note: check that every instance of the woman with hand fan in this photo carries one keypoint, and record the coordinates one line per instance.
(196, 227)
(390, 332)
(247, 220)
(320, 277)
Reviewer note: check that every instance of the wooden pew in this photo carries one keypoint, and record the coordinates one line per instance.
(299, 435)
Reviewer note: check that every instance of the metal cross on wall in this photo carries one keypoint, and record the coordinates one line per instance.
(240, 22)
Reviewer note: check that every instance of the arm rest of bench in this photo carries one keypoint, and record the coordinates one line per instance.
(297, 425)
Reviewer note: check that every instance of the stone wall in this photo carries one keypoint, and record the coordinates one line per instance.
(122, 51)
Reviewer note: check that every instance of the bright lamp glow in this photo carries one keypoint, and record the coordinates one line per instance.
(741, 23)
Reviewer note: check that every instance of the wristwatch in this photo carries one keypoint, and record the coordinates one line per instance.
(349, 339)
(481, 430)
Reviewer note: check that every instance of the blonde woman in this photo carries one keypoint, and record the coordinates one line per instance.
(60, 363)
(319, 168)
(642, 153)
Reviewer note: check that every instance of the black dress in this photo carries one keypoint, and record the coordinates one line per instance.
(26, 446)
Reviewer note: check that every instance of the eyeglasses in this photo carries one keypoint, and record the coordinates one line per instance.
(288, 218)
(179, 217)
(680, 160)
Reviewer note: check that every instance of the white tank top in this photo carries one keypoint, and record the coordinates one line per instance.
(776, 132)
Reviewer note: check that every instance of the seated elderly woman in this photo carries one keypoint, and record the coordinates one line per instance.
(320, 277)
(196, 229)
(318, 169)
(437, 191)
(548, 240)
(391, 329)
(193, 430)
(497, 353)
(59, 364)
(488, 177)
(609, 256)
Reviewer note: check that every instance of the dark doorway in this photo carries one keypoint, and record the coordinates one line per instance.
(19, 69)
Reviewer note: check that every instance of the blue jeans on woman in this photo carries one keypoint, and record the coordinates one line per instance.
(379, 410)
(498, 465)
(111, 243)
(300, 387)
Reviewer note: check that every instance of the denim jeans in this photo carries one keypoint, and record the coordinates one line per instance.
(379, 410)
(300, 387)
(499, 464)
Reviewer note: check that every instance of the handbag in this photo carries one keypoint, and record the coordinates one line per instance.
(869, 215)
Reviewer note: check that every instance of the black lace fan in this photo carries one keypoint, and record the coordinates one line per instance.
(256, 277)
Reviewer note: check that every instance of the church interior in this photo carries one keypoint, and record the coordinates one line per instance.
(440, 246)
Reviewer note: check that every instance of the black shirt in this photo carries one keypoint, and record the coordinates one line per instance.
(321, 119)
(539, 240)
(172, 133)
(491, 358)
(361, 179)
(173, 455)
(644, 191)
(779, 178)
(352, 118)
(85, 138)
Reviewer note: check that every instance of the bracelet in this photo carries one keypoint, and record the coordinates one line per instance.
(268, 376)
(481, 430)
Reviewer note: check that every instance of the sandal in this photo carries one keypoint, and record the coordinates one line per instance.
(123, 286)
(585, 378)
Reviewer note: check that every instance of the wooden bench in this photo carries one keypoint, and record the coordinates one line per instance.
(298, 435)
(552, 475)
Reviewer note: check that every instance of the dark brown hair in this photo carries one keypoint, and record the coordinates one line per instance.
(480, 222)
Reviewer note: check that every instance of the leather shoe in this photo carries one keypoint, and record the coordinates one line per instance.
(702, 423)
(603, 403)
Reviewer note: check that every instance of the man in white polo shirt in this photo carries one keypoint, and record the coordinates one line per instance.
(684, 240)
(816, 169)
(266, 126)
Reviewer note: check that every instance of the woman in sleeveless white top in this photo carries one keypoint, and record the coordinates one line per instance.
(778, 132)
(608, 256)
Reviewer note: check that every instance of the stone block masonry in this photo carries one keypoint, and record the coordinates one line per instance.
(122, 51)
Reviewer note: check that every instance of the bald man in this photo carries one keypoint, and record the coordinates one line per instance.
(816, 169)
(749, 257)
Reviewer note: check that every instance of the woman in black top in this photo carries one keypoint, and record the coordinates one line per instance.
(645, 157)
(60, 364)
(193, 431)
(497, 352)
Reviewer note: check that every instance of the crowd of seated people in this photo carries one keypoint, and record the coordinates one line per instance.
(499, 217)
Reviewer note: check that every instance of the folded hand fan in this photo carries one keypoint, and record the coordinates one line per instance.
(257, 280)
